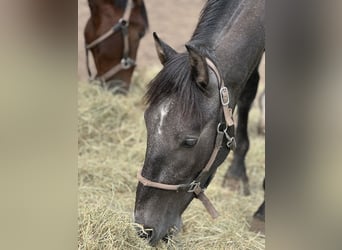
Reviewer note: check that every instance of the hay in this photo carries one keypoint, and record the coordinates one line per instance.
(112, 138)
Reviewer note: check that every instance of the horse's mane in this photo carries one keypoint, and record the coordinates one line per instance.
(208, 22)
(122, 5)
(175, 80)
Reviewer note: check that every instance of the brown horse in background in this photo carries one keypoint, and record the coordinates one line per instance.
(112, 34)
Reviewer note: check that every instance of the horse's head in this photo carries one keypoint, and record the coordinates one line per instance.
(181, 119)
(112, 34)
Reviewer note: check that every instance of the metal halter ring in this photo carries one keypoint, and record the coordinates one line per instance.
(195, 187)
(125, 63)
(231, 143)
(123, 22)
(219, 128)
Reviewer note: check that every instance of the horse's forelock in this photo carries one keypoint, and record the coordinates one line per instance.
(175, 81)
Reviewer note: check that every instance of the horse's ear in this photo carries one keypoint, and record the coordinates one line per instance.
(199, 68)
(164, 51)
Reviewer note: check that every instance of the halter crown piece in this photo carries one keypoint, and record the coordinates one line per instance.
(126, 62)
(197, 185)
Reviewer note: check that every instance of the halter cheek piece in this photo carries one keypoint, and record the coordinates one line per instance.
(126, 62)
(197, 185)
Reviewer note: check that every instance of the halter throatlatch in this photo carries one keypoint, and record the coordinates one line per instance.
(126, 62)
(197, 186)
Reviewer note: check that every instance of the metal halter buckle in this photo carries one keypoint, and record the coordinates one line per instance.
(195, 187)
(224, 95)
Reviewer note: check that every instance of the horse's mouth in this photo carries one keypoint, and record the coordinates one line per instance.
(167, 238)
(153, 239)
(170, 234)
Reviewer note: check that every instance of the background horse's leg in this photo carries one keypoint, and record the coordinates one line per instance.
(258, 223)
(260, 213)
(261, 125)
(237, 171)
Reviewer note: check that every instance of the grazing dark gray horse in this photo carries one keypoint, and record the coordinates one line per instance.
(189, 116)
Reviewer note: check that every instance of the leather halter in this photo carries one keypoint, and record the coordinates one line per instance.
(198, 185)
(126, 62)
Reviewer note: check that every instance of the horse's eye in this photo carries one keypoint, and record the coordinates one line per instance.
(189, 142)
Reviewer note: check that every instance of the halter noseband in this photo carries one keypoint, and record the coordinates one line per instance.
(197, 185)
(126, 62)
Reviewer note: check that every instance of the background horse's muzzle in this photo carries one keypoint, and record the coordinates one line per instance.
(116, 86)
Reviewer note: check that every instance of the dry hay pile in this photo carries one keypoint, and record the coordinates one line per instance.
(112, 138)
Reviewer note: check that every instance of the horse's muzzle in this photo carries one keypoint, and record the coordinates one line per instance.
(152, 235)
(147, 234)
